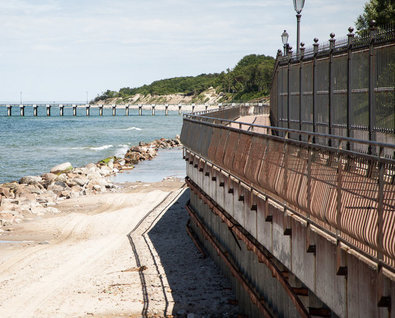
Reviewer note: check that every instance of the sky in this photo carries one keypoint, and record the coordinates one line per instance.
(68, 50)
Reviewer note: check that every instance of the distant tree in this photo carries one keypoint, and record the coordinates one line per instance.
(250, 78)
(382, 11)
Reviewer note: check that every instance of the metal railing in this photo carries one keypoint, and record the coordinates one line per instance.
(347, 193)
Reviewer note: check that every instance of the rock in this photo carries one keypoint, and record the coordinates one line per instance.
(81, 181)
(62, 177)
(105, 170)
(91, 166)
(98, 188)
(6, 218)
(5, 192)
(30, 180)
(65, 194)
(56, 188)
(24, 194)
(35, 189)
(62, 167)
(49, 177)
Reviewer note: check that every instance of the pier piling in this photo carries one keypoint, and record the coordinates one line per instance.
(9, 110)
(48, 110)
(22, 110)
(74, 110)
(61, 110)
(35, 110)
(114, 110)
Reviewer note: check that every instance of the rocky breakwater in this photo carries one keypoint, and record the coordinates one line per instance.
(38, 195)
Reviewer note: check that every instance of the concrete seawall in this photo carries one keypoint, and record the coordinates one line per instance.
(281, 261)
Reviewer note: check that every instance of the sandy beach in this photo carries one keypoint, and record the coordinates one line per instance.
(118, 254)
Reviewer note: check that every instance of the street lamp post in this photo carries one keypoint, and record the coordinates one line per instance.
(298, 6)
(284, 38)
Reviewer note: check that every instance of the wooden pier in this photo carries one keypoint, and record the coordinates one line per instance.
(114, 110)
(33, 109)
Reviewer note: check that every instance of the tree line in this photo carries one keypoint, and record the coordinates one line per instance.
(249, 79)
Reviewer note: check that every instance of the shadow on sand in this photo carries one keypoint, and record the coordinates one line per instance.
(188, 284)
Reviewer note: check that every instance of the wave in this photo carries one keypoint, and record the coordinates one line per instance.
(133, 128)
(121, 151)
(93, 148)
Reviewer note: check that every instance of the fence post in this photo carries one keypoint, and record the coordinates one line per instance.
(350, 36)
(300, 86)
(330, 86)
(380, 208)
(288, 90)
(372, 73)
(315, 45)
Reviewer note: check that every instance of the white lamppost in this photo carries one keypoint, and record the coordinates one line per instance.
(298, 6)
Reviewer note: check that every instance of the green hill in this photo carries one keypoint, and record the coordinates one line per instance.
(249, 79)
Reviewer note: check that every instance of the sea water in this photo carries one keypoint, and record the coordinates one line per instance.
(32, 145)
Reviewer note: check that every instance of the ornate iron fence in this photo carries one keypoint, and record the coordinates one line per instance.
(344, 87)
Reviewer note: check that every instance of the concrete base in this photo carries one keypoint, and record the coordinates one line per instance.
(331, 280)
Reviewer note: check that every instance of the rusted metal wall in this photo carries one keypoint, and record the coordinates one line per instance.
(349, 195)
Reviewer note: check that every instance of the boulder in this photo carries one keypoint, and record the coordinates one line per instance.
(49, 177)
(56, 188)
(91, 166)
(30, 180)
(6, 218)
(61, 178)
(25, 195)
(81, 181)
(5, 192)
(98, 188)
(66, 166)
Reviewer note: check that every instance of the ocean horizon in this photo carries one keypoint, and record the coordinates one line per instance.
(33, 145)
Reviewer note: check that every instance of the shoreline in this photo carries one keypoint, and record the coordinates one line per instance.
(38, 195)
(122, 252)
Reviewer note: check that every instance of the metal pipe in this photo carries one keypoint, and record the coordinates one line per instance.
(298, 34)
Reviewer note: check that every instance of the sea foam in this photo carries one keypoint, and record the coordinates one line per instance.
(133, 128)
